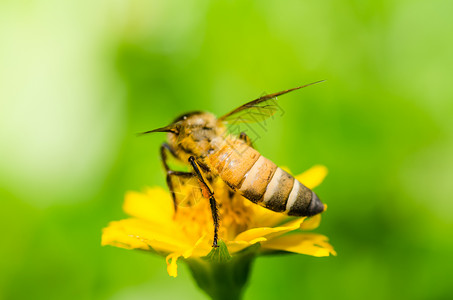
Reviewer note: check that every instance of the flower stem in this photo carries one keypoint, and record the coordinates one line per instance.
(223, 279)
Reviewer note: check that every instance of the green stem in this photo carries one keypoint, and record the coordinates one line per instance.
(223, 279)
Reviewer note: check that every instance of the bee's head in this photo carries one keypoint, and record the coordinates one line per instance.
(193, 132)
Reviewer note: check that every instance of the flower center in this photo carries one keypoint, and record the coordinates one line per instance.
(234, 211)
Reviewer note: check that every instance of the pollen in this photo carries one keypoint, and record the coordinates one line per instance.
(235, 214)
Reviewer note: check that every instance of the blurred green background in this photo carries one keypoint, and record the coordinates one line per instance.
(78, 80)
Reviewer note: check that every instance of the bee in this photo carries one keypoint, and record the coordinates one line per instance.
(199, 140)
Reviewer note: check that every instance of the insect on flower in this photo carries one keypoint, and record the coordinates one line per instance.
(199, 140)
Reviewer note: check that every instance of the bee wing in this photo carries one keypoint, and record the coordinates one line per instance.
(252, 113)
(259, 109)
(186, 190)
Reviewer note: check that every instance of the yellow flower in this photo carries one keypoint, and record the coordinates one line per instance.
(154, 225)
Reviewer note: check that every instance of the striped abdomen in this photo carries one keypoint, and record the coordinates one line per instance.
(258, 179)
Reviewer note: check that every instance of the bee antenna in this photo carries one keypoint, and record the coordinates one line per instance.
(316, 82)
(163, 129)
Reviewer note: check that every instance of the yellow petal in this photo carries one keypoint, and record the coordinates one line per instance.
(263, 217)
(236, 246)
(135, 233)
(269, 232)
(201, 248)
(172, 267)
(311, 223)
(310, 244)
(155, 205)
(119, 238)
(313, 176)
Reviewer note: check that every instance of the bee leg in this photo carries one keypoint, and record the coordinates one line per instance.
(164, 148)
(243, 136)
(207, 193)
(163, 154)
